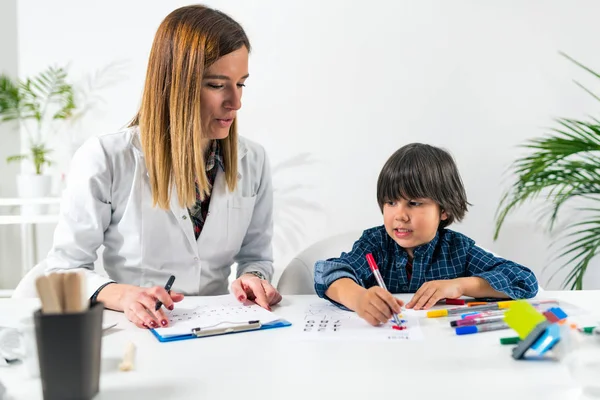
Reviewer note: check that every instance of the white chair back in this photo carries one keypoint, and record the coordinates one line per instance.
(298, 275)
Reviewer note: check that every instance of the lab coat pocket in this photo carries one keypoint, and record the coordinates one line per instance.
(239, 215)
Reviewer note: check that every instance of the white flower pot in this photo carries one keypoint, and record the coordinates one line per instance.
(34, 186)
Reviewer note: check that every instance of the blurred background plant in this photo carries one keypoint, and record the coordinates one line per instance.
(563, 167)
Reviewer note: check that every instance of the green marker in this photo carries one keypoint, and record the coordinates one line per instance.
(510, 340)
(588, 330)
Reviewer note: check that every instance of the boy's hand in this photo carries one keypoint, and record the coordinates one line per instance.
(433, 291)
(376, 305)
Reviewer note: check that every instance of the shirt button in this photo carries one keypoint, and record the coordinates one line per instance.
(404, 287)
(184, 217)
(195, 258)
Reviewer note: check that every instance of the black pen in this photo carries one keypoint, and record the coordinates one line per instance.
(168, 289)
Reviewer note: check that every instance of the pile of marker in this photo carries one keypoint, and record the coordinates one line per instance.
(540, 325)
(477, 317)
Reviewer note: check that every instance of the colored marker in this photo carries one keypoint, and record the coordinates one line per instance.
(483, 314)
(476, 314)
(380, 282)
(510, 340)
(588, 330)
(476, 321)
(456, 302)
(486, 307)
(466, 330)
(461, 310)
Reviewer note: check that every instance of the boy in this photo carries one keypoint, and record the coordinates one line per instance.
(420, 193)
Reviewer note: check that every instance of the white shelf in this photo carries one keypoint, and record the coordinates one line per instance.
(18, 201)
(28, 219)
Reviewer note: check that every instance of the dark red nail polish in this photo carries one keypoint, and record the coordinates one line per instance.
(153, 324)
(171, 307)
(164, 322)
(145, 326)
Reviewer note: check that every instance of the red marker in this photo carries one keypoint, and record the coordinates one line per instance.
(379, 279)
(455, 302)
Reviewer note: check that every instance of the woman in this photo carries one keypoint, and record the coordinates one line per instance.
(177, 192)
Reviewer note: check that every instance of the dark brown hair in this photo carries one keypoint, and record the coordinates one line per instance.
(187, 42)
(417, 171)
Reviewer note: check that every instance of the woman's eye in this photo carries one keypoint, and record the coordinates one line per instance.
(241, 85)
(214, 85)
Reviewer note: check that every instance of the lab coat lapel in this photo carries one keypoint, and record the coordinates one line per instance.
(182, 216)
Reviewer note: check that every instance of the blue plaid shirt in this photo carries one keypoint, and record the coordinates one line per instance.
(449, 255)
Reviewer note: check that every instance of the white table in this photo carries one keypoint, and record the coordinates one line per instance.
(273, 365)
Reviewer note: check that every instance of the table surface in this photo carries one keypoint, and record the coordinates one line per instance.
(275, 364)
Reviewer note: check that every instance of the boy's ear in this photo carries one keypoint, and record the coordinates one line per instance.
(443, 216)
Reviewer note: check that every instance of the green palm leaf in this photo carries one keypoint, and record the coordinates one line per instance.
(583, 245)
(561, 167)
(9, 99)
(44, 98)
(48, 87)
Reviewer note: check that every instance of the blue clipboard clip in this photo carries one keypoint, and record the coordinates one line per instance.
(196, 333)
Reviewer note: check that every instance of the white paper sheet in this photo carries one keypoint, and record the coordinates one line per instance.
(219, 312)
(324, 321)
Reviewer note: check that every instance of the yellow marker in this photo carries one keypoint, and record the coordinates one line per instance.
(523, 318)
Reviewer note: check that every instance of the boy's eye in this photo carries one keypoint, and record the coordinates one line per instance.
(241, 85)
(414, 203)
(390, 203)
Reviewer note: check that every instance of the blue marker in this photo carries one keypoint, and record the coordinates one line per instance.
(494, 326)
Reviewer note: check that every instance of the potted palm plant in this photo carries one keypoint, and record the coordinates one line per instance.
(36, 103)
(563, 168)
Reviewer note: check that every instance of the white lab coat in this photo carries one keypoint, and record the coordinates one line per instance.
(108, 202)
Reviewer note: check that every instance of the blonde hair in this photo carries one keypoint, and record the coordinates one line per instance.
(187, 42)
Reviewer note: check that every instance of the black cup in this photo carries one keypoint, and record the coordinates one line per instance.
(69, 347)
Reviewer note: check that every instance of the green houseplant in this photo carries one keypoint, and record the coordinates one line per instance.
(563, 168)
(35, 103)
(46, 106)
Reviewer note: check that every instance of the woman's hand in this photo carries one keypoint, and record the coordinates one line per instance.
(251, 287)
(139, 305)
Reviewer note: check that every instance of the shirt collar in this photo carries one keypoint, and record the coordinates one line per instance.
(215, 156)
(425, 249)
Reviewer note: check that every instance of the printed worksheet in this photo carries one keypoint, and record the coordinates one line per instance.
(220, 311)
(324, 321)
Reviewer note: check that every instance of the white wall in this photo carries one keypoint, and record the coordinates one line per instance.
(9, 137)
(349, 84)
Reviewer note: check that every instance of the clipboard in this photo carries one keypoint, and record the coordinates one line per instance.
(214, 316)
(197, 333)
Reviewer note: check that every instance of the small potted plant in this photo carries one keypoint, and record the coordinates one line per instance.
(37, 104)
(46, 105)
